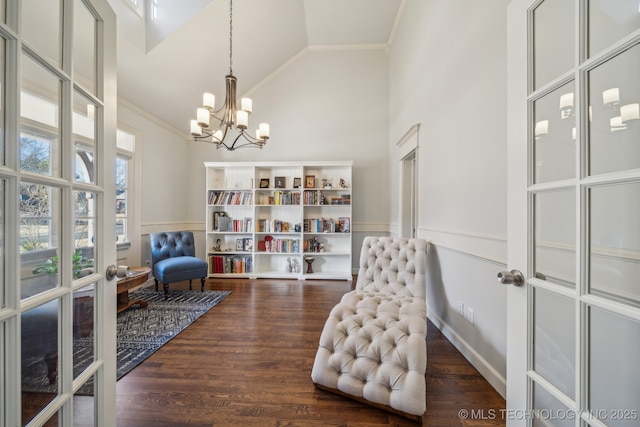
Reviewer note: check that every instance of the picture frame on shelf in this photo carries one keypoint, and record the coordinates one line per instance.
(309, 181)
(297, 182)
(264, 183)
(247, 244)
(240, 245)
(280, 182)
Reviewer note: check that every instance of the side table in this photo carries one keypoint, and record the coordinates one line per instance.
(136, 277)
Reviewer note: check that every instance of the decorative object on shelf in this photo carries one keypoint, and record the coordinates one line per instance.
(227, 116)
(297, 182)
(343, 184)
(216, 216)
(280, 182)
(217, 247)
(264, 183)
(309, 260)
(309, 181)
(326, 183)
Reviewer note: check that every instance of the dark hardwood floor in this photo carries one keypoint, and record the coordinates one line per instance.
(248, 361)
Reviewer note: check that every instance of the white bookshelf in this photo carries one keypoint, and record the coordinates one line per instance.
(269, 222)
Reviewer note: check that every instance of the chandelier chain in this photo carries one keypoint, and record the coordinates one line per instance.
(231, 37)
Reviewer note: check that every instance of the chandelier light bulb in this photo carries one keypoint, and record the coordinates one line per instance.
(242, 119)
(264, 131)
(202, 114)
(195, 129)
(208, 100)
(247, 105)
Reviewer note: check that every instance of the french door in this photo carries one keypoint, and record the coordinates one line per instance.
(57, 226)
(574, 212)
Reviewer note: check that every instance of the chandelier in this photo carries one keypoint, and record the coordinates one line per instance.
(213, 125)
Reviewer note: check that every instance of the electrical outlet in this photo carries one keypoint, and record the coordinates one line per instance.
(147, 263)
(470, 315)
(461, 308)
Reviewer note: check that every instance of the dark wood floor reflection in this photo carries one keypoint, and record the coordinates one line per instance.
(248, 361)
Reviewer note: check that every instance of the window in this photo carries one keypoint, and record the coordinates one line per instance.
(126, 147)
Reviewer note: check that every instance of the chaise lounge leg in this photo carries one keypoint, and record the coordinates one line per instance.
(166, 291)
(202, 284)
(156, 280)
(189, 284)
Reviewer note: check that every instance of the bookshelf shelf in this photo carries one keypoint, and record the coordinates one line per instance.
(261, 221)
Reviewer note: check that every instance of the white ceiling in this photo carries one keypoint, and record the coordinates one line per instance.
(165, 66)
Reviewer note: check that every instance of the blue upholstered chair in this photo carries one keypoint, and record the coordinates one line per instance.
(173, 259)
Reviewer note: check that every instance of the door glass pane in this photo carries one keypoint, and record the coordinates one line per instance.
(614, 345)
(39, 330)
(611, 20)
(84, 233)
(553, 40)
(83, 347)
(554, 135)
(2, 90)
(122, 164)
(549, 411)
(84, 409)
(41, 22)
(84, 47)
(2, 260)
(39, 238)
(615, 242)
(40, 123)
(2, 10)
(614, 104)
(555, 237)
(554, 340)
(84, 132)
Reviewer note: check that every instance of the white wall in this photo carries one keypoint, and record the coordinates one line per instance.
(448, 73)
(164, 174)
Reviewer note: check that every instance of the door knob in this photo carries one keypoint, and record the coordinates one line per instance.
(112, 270)
(513, 277)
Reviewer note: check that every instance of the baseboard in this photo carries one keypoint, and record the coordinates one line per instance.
(493, 377)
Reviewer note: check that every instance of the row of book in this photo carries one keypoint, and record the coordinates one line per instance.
(327, 225)
(230, 198)
(275, 226)
(228, 264)
(227, 224)
(279, 245)
(281, 198)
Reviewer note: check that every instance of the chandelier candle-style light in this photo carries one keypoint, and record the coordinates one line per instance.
(212, 125)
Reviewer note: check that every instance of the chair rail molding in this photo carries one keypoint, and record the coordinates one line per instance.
(492, 248)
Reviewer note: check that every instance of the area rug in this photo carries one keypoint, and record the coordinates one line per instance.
(140, 333)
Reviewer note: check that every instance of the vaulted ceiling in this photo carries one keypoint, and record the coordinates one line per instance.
(164, 65)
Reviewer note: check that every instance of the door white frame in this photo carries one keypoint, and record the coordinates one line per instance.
(408, 181)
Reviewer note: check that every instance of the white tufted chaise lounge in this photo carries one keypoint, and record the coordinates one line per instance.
(373, 345)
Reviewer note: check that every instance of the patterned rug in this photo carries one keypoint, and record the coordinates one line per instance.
(141, 332)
